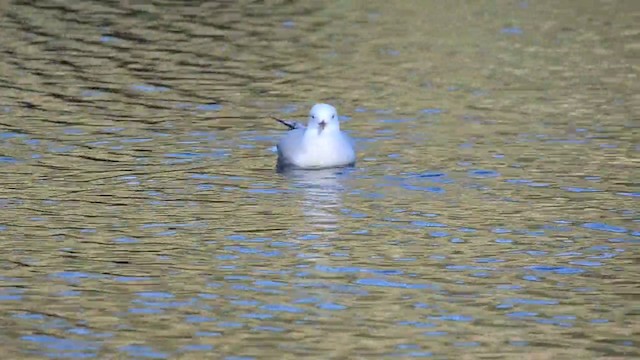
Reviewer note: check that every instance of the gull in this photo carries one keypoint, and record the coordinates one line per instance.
(319, 145)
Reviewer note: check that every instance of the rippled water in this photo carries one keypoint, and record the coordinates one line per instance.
(493, 212)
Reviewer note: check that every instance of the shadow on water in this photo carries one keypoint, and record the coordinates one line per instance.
(493, 211)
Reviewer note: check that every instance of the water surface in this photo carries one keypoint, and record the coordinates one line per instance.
(493, 212)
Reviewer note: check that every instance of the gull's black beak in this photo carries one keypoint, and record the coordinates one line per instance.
(321, 125)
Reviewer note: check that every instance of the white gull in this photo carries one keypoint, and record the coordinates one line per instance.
(319, 145)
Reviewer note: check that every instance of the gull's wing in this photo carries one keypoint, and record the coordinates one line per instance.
(289, 147)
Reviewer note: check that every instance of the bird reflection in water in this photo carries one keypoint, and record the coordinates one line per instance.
(322, 195)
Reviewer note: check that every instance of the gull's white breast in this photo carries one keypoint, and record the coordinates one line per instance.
(305, 148)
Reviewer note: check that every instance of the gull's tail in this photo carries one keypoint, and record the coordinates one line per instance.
(290, 124)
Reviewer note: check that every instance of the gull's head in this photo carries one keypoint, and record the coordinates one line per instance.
(323, 117)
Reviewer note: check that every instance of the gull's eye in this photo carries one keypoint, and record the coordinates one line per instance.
(313, 117)
(333, 116)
